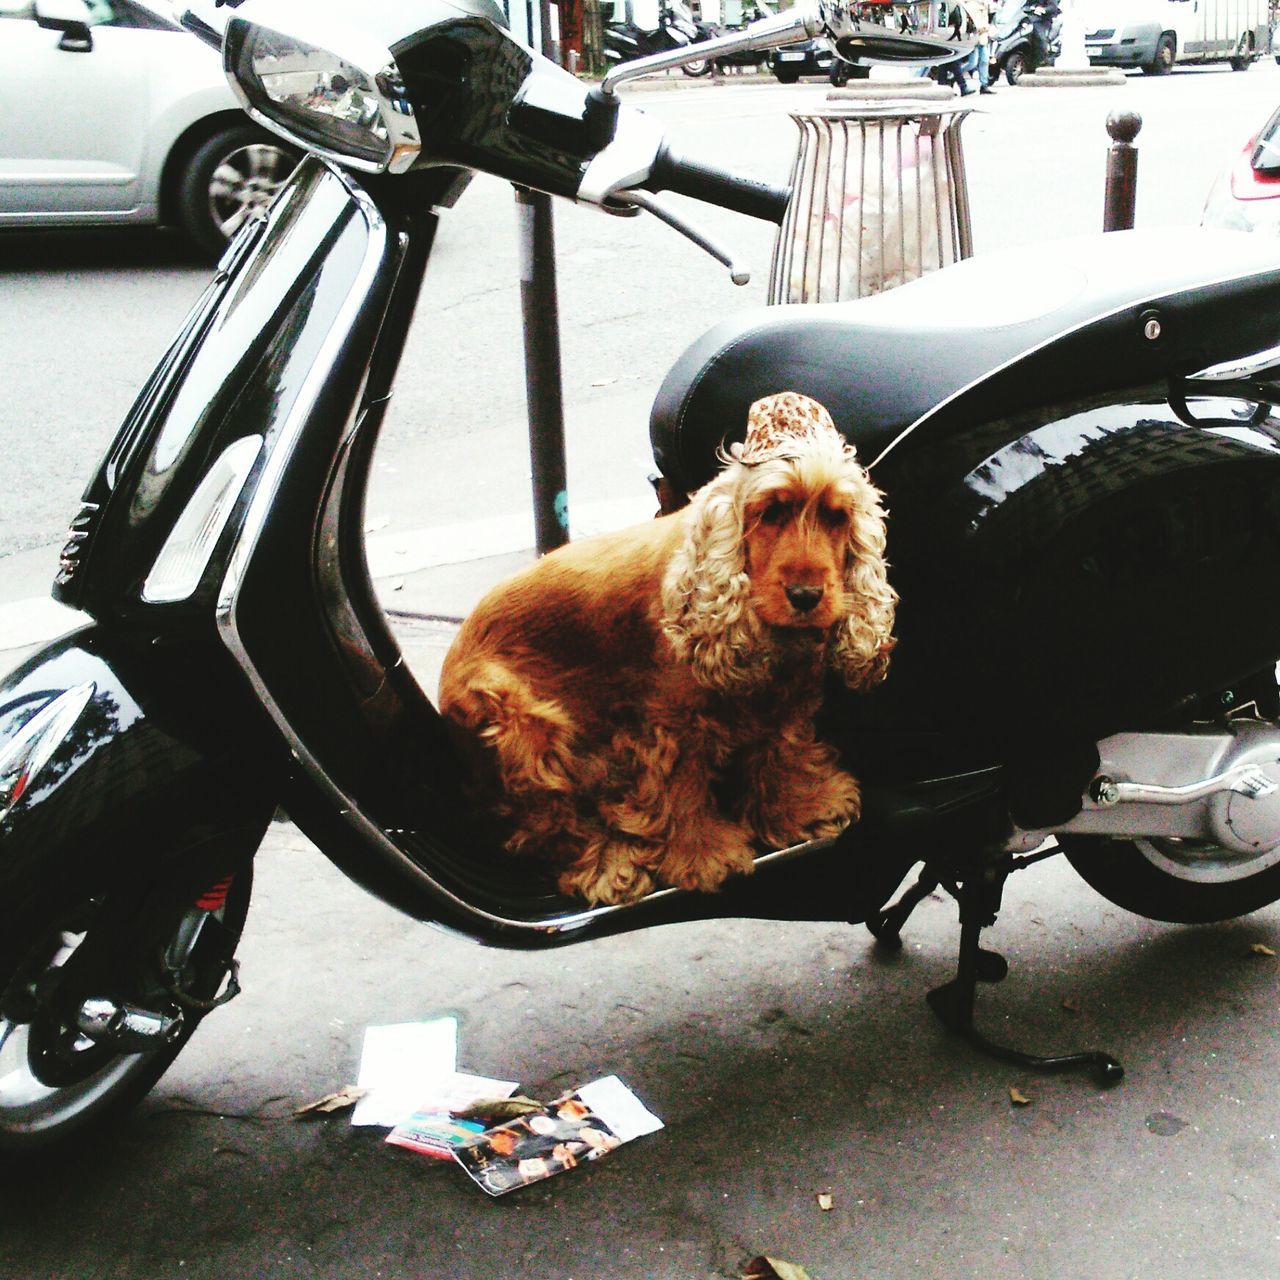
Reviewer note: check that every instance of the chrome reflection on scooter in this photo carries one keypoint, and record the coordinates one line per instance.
(869, 42)
(331, 89)
(34, 744)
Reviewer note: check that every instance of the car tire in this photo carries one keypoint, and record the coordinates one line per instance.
(230, 180)
(793, 77)
(1162, 60)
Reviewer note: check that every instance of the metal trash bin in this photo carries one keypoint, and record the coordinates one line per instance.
(879, 197)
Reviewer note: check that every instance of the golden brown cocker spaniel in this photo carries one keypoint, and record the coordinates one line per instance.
(640, 705)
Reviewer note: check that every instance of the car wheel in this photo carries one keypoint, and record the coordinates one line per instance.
(229, 181)
(1162, 63)
(1015, 66)
(792, 77)
(702, 67)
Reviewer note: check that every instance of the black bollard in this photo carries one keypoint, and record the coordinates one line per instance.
(1122, 171)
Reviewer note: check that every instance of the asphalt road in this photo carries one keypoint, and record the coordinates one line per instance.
(786, 1060)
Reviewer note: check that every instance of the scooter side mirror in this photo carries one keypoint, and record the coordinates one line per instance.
(865, 43)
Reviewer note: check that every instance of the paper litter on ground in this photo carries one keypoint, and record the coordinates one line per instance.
(432, 1129)
(401, 1065)
(574, 1129)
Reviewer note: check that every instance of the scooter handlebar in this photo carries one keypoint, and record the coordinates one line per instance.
(714, 185)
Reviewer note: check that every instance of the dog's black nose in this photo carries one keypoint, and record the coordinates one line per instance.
(803, 599)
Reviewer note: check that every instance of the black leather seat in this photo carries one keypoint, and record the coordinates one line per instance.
(881, 364)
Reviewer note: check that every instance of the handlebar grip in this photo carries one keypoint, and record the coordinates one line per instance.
(713, 185)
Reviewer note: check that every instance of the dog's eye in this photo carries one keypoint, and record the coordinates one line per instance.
(775, 512)
(833, 517)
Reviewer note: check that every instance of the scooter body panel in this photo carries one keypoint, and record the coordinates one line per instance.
(235, 371)
(159, 767)
(1073, 582)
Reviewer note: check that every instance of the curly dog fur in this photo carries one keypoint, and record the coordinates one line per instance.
(641, 704)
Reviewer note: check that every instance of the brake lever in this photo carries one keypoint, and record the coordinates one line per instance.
(739, 273)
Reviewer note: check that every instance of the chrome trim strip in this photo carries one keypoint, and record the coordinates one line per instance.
(1241, 369)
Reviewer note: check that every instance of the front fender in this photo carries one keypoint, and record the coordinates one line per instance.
(156, 760)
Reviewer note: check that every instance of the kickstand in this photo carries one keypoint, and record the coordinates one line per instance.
(978, 895)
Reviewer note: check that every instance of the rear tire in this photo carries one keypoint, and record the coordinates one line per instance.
(793, 77)
(1174, 881)
(1163, 59)
(36, 1120)
(697, 69)
(1016, 66)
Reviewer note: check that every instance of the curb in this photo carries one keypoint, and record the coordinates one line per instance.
(1071, 78)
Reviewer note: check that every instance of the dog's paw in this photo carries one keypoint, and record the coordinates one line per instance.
(704, 866)
(841, 806)
(615, 877)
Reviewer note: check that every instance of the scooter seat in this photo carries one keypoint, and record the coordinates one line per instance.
(883, 364)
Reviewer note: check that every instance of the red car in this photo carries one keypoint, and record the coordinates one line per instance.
(1246, 197)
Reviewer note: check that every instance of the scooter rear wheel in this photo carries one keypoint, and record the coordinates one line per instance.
(97, 1084)
(1179, 881)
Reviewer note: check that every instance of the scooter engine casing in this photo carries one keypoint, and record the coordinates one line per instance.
(1240, 812)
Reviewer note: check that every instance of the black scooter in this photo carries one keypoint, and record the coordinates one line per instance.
(1025, 39)
(625, 40)
(1085, 532)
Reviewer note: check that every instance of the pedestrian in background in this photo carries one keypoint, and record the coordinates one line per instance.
(979, 14)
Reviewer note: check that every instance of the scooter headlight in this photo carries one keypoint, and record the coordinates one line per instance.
(328, 89)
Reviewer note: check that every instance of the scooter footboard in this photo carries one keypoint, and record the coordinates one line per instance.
(124, 761)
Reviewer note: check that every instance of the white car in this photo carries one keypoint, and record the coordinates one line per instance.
(111, 113)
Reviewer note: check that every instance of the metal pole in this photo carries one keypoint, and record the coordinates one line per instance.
(540, 312)
(1122, 171)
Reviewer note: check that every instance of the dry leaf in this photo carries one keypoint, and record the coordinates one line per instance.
(1261, 949)
(339, 1101)
(1071, 1004)
(499, 1110)
(1018, 1098)
(763, 1268)
(825, 1202)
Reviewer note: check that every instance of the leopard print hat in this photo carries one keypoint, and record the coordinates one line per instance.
(779, 425)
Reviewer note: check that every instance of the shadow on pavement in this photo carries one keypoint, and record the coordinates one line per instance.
(96, 248)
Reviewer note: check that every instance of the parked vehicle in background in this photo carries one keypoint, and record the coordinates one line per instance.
(1015, 47)
(111, 113)
(809, 58)
(637, 28)
(1246, 195)
(1156, 34)
(733, 16)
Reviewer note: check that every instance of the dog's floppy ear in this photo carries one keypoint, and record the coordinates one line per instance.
(865, 639)
(706, 608)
